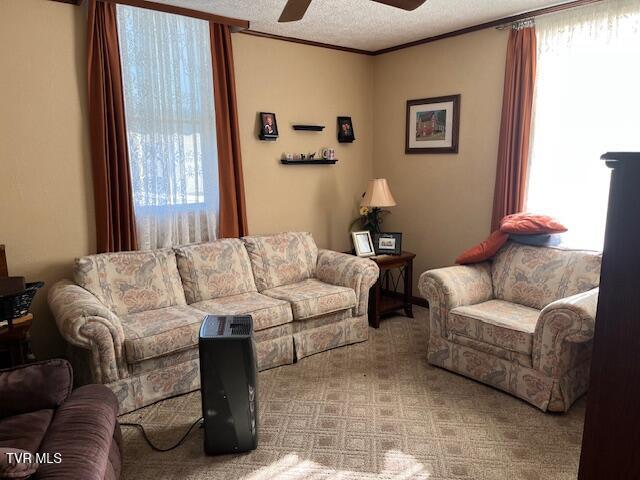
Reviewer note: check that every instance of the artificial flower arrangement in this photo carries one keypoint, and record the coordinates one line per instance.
(370, 219)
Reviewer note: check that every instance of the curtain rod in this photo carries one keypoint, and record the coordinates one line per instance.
(518, 25)
(236, 24)
(515, 21)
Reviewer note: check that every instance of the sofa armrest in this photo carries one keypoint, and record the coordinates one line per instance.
(348, 271)
(35, 386)
(451, 287)
(87, 323)
(82, 433)
(564, 322)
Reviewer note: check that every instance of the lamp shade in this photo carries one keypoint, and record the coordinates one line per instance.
(378, 194)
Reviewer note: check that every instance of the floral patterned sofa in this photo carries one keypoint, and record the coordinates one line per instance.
(522, 323)
(132, 318)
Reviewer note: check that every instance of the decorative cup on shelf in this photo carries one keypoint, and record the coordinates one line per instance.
(329, 153)
(296, 156)
(288, 156)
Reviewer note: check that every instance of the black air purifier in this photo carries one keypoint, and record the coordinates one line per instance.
(228, 384)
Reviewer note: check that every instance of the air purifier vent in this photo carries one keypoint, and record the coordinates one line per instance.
(226, 326)
(240, 328)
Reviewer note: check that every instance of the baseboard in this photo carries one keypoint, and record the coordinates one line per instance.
(421, 302)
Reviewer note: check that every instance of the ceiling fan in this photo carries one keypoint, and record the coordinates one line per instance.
(294, 10)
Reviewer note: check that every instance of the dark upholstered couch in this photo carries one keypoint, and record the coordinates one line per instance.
(40, 414)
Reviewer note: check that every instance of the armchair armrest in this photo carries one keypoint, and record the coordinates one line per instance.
(87, 323)
(451, 287)
(564, 322)
(348, 271)
(35, 386)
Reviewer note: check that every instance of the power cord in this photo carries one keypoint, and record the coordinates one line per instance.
(158, 449)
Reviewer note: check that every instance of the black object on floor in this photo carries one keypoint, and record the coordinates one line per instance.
(151, 444)
(228, 384)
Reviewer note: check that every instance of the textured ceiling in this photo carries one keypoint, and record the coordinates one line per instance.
(363, 24)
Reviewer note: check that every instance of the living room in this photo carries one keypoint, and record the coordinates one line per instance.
(352, 189)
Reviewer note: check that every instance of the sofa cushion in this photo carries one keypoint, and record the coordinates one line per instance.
(164, 362)
(282, 259)
(154, 333)
(25, 431)
(35, 386)
(265, 311)
(496, 322)
(214, 269)
(82, 433)
(9, 466)
(130, 282)
(484, 250)
(311, 297)
(537, 276)
(528, 223)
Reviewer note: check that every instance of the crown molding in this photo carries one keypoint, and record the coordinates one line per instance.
(236, 24)
(243, 26)
(312, 43)
(491, 24)
(435, 38)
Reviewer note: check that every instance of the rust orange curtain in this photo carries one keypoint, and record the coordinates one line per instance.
(515, 127)
(233, 212)
(115, 222)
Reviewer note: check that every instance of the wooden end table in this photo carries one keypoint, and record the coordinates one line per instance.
(15, 345)
(384, 296)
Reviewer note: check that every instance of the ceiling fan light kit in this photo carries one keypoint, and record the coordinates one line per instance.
(294, 10)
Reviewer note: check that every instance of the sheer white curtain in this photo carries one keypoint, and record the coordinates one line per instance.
(169, 106)
(586, 103)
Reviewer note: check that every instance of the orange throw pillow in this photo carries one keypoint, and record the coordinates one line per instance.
(528, 224)
(484, 250)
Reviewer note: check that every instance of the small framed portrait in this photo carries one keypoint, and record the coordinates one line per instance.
(345, 130)
(389, 243)
(268, 126)
(363, 244)
(433, 125)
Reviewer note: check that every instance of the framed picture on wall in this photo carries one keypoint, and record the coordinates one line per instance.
(433, 125)
(345, 130)
(268, 126)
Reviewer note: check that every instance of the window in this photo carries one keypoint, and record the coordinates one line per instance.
(170, 114)
(585, 104)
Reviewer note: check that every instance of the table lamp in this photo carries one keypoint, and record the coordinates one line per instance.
(377, 196)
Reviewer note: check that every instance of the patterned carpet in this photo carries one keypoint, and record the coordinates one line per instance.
(370, 411)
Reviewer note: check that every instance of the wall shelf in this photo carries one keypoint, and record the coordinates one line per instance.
(308, 128)
(308, 162)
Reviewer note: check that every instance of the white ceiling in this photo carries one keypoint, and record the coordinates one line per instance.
(363, 24)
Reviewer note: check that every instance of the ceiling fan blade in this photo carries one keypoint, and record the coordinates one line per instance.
(294, 10)
(403, 4)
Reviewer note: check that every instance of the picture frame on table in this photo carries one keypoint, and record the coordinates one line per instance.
(363, 244)
(387, 243)
(433, 125)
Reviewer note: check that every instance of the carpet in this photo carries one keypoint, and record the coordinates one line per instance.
(375, 410)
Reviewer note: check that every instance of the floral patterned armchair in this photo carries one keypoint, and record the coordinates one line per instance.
(522, 323)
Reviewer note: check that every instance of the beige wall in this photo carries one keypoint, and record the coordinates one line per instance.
(46, 202)
(445, 200)
(303, 84)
